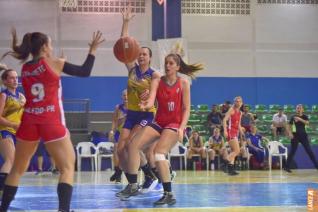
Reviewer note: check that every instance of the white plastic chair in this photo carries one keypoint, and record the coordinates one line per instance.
(273, 151)
(86, 150)
(174, 152)
(100, 156)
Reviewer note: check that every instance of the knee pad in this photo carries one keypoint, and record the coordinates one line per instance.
(160, 157)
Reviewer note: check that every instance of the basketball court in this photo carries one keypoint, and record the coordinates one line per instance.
(194, 190)
(267, 49)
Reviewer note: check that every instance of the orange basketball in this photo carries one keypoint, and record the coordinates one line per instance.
(126, 49)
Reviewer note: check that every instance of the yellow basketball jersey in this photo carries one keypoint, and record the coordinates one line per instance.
(138, 82)
(13, 109)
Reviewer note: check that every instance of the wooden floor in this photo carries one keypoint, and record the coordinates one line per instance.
(195, 191)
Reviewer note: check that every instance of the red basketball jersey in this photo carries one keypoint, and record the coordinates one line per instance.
(169, 100)
(234, 120)
(43, 90)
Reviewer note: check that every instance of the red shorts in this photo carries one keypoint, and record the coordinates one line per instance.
(232, 134)
(46, 132)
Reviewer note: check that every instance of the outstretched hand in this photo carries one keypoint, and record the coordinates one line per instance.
(145, 105)
(144, 95)
(126, 13)
(96, 41)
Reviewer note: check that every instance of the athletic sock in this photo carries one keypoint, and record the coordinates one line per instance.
(167, 186)
(64, 192)
(3, 177)
(132, 178)
(8, 195)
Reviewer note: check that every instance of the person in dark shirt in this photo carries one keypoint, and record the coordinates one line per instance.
(225, 107)
(247, 119)
(214, 119)
(298, 134)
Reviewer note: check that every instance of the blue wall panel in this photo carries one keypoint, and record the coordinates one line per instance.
(105, 92)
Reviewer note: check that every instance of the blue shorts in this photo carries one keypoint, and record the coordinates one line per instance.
(137, 118)
(159, 128)
(259, 155)
(6, 134)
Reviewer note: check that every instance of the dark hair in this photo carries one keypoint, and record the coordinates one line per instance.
(31, 44)
(5, 74)
(186, 69)
(149, 50)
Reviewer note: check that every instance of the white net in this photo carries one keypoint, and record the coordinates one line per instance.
(68, 3)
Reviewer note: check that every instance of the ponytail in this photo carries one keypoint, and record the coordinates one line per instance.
(189, 70)
(31, 44)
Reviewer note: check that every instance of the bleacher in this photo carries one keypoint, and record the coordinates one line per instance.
(264, 113)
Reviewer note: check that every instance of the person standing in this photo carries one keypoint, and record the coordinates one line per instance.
(11, 109)
(173, 98)
(141, 77)
(298, 135)
(43, 116)
(119, 118)
(232, 128)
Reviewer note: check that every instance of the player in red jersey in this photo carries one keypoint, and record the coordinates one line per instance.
(232, 128)
(43, 116)
(173, 97)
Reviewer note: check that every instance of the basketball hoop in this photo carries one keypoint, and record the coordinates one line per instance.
(68, 3)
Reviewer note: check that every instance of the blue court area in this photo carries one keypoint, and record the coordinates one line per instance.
(86, 197)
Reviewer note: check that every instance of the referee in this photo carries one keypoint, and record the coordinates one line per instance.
(298, 134)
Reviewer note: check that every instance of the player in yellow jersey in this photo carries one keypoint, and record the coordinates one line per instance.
(140, 78)
(119, 118)
(11, 108)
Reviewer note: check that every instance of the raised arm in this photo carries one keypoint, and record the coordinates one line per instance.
(127, 16)
(85, 69)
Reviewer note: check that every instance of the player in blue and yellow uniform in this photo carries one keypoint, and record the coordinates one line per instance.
(119, 118)
(140, 78)
(11, 109)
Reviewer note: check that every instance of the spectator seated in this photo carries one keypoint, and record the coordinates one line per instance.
(196, 149)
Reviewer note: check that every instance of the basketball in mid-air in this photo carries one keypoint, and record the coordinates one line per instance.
(126, 49)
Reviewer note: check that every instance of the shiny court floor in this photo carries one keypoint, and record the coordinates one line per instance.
(194, 190)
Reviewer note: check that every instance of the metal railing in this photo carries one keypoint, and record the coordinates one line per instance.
(77, 114)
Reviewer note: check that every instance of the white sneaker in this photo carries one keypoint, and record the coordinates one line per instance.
(173, 175)
(159, 187)
(149, 185)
